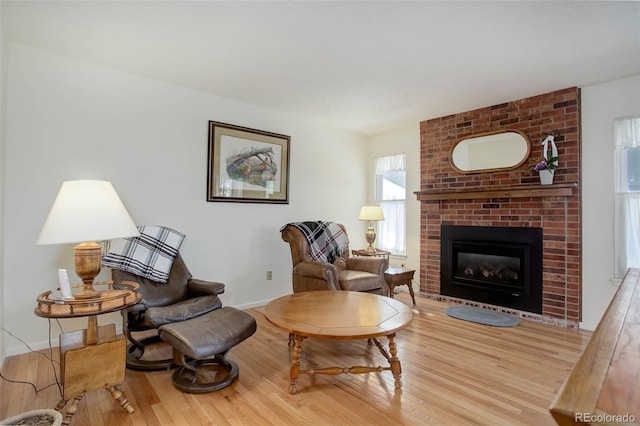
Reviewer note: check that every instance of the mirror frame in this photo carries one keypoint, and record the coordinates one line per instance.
(480, 135)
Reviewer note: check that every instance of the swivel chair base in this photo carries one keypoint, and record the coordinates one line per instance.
(134, 355)
(186, 380)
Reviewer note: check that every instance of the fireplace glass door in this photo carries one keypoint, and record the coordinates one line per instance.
(493, 267)
(501, 266)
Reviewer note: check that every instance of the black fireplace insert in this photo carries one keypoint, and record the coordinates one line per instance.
(496, 265)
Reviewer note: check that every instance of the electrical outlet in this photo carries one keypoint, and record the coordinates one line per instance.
(269, 275)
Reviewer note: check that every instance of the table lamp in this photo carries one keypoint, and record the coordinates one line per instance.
(86, 211)
(371, 214)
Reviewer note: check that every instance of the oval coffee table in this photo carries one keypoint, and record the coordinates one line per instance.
(339, 315)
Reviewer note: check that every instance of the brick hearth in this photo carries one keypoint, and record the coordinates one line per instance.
(556, 209)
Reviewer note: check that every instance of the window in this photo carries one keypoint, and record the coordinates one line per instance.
(391, 192)
(627, 198)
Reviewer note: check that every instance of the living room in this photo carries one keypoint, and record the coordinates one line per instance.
(67, 118)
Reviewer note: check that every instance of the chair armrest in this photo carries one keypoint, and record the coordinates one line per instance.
(375, 265)
(198, 287)
(141, 306)
(319, 271)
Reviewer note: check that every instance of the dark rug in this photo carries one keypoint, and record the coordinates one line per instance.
(482, 316)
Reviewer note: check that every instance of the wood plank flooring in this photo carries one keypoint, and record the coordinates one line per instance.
(454, 373)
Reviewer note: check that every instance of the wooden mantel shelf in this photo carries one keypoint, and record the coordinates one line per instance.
(518, 191)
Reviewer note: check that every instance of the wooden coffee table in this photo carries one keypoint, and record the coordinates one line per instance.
(339, 315)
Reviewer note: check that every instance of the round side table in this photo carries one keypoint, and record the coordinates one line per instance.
(84, 353)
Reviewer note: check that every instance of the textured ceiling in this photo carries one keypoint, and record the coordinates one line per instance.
(360, 65)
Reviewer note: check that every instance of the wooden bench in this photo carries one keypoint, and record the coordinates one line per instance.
(604, 385)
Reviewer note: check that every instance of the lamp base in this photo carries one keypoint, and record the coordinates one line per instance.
(370, 235)
(87, 293)
(87, 257)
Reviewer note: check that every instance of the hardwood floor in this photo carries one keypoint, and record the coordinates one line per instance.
(454, 373)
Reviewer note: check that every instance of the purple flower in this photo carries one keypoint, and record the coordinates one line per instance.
(545, 164)
(540, 166)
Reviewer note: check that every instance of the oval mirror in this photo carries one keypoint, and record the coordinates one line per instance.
(501, 150)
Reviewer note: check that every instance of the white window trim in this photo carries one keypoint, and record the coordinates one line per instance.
(390, 163)
(627, 204)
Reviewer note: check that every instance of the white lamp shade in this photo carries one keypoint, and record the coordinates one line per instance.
(86, 210)
(371, 213)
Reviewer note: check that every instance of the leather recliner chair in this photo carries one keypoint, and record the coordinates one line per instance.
(179, 299)
(346, 273)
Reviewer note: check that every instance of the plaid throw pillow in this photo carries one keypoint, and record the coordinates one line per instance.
(150, 255)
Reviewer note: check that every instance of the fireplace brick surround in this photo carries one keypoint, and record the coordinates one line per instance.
(512, 198)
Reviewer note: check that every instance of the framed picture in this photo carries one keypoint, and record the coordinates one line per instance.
(247, 165)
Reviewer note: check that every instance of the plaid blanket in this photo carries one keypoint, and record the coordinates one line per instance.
(327, 240)
(150, 255)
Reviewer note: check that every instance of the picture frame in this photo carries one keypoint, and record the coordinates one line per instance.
(247, 165)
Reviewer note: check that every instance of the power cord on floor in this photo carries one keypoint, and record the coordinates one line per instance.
(49, 357)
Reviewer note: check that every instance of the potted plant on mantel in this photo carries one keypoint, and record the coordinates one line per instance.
(546, 169)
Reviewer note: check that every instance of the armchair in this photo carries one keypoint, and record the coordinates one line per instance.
(345, 273)
(179, 299)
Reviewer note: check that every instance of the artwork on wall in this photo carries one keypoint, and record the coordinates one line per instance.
(247, 165)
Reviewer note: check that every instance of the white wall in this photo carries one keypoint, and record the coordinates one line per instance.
(601, 104)
(402, 140)
(68, 119)
(3, 91)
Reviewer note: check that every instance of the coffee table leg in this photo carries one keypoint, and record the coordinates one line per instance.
(396, 369)
(295, 364)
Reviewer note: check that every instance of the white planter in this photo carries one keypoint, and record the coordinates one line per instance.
(546, 177)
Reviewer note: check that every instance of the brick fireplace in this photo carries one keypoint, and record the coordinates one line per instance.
(512, 198)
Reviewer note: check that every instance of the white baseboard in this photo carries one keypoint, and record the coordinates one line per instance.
(22, 349)
(253, 304)
(588, 326)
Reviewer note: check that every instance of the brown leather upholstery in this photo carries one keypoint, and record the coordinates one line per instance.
(346, 273)
(181, 298)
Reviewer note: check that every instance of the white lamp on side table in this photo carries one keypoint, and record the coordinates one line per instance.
(86, 211)
(371, 214)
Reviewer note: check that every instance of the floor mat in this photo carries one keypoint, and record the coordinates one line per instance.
(482, 316)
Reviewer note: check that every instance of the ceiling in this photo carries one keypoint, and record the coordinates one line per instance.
(361, 65)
